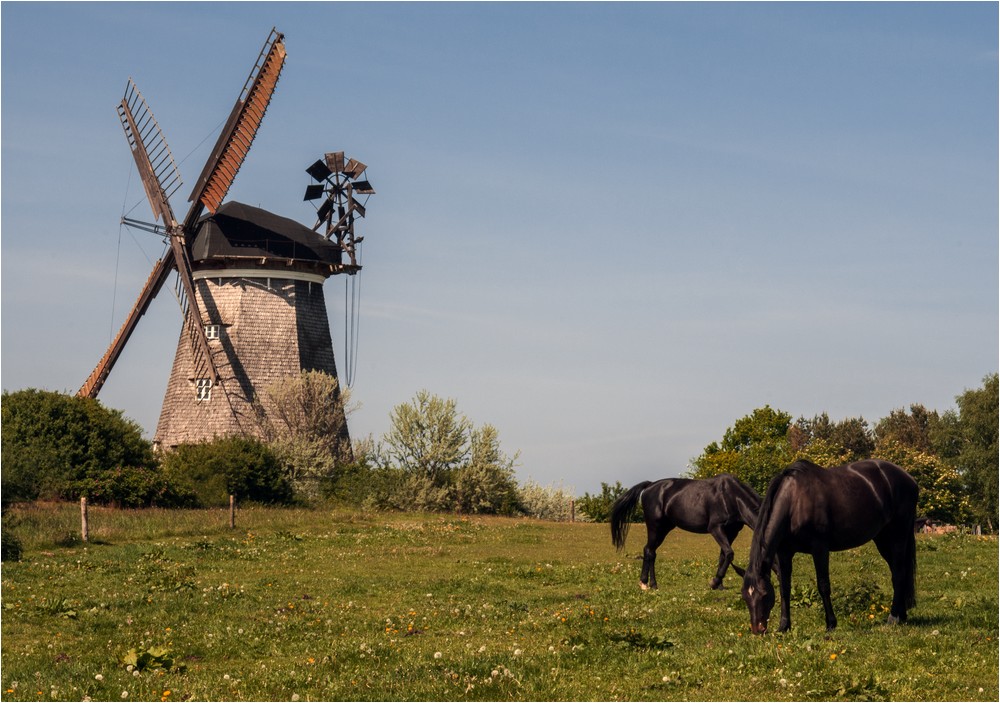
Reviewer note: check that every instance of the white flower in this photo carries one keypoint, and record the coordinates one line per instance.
(438, 655)
(517, 652)
(295, 696)
(124, 694)
(99, 677)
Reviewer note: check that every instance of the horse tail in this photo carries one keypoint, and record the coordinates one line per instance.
(910, 582)
(622, 511)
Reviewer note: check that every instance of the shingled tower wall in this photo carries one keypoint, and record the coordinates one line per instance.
(269, 328)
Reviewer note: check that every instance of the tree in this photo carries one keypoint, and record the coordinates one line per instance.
(428, 436)
(53, 443)
(446, 463)
(754, 449)
(942, 495)
(914, 429)
(976, 455)
(303, 419)
(486, 484)
(829, 443)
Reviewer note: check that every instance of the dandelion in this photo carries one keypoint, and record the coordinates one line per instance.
(833, 656)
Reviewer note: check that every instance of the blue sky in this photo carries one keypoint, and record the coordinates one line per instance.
(609, 230)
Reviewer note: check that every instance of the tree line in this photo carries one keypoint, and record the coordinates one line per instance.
(952, 455)
(433, 457)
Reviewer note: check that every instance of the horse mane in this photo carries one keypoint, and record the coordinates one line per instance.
(760, 562)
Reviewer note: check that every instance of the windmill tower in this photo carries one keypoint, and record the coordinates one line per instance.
(249, 282)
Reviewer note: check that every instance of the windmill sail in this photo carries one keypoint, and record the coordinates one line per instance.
(92, 386)
(241, 128)
(161, 179)
(156, 165)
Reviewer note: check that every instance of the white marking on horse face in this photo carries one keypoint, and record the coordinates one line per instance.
(750, 591)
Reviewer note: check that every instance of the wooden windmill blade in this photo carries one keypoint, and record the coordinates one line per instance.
(160, 179)
(92, 386)
(157, 169)
(237, 136)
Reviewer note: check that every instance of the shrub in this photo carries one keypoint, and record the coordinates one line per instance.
(545, 502)
(598, 508)
(10, 545)
(240, 466)
(135, 487)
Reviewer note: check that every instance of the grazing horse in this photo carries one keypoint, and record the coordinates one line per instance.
(719, 506)
(816, 511)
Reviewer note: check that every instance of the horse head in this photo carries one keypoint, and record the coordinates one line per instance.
(758, 594)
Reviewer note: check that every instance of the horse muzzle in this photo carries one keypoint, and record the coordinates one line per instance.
(758, 628)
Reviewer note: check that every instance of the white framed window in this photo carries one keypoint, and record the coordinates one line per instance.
(203, 388)
(212, 331)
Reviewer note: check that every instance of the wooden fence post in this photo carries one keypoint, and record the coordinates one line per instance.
(572, 511)
(84, 528)
(232, 511)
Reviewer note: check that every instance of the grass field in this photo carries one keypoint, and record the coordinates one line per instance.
(339, 605)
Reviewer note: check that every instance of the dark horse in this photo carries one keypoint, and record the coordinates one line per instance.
(817, 511)
(719, 506)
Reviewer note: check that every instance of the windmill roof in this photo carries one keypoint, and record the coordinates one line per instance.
(241, 231)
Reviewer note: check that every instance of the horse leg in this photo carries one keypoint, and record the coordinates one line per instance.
(894, 551)
(724, 539)
(821, 560)
(784, 562)
(655, 537)
(732, 533)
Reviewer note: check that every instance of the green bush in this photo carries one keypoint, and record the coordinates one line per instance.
(240, 466)
(135, 487)
(598, 508)
(52, 441)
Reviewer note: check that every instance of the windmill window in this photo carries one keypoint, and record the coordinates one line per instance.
(204, 388)
(212, 331)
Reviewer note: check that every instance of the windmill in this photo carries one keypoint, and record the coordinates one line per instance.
(249, 282)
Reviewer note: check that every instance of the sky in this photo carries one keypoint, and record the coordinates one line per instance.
(610, 230)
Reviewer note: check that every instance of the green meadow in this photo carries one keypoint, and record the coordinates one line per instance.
(332, 604)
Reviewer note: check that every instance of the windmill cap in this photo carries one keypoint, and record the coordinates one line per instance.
(241, 233)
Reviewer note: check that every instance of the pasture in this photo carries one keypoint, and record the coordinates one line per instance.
(330, 604)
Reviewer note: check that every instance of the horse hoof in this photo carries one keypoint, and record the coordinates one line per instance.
(643, 586)
(893, 620)
(715, 583)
